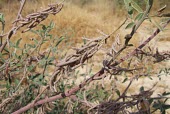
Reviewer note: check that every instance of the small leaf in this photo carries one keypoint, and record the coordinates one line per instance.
(146, 1)
(2, 18)
(165, 93)
(59, 41)
(19, 64)
(52, 24)
(79, 95)
(42, 62)
(127, 2)
(151, 100)
(35, 40)
(136, 6)
(18, 42)
(34, 31)
(130, 25)
(43, 27)
(130, 11)
(139, 16)
(141, 89)
(16, 81)
(30, 68)
(85, 41)
(8, 85)
(157, 25)
(34, 76)
(166, 106)
(31, 46)
(125, 80)
(150, 77)
(117, 92)
(6, 49)
(130, 45)
(128, 7)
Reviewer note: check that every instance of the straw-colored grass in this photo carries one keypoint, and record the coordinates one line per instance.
(77, 21)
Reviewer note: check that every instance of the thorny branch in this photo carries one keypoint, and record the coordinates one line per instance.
(124, 102)
(31, 20)
(159, 56)
(75, 61)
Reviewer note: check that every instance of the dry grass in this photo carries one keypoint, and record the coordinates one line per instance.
(77, 20)
(80, 21)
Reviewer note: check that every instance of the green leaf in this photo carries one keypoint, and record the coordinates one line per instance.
(16, 81)
(139, 17)
(127, 2)
(165, 93)
(52, 24)
(129, 8)
(166, 106)
(117, 92)
(130, 12)
(84, 41)
(18, 42)
(136, 7)
(30, 68)
(141, 89)
(44, 27)
(35, 40)
(151, 100)
(150, 77)
(157, 105)
(125, 80)
(2, 21)
(42, 62)
(34, 31)
(2, 18)
(59, 41)
(33, 77)
(157, 25)
(6, 49)
(31, 46)
(79, 95)
(130, 25)
(146, 1)
(19, 64)
(8, 85)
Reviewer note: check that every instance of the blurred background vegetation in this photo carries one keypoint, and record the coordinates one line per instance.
(82, 17)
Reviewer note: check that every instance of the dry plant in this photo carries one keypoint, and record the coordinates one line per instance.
(40, 91)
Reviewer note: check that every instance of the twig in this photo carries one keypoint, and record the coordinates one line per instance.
(94, 77)
(31, 20)
(140, 47)
(14, 28)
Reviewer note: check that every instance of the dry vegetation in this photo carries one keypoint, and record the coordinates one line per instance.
(80, 20)
(85, 19)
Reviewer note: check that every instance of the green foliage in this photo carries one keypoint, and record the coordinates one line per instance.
(161, 104)
(21, 60)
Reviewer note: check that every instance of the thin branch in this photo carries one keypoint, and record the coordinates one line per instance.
(97, 76)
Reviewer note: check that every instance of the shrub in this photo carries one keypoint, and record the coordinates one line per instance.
(43, 80)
